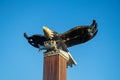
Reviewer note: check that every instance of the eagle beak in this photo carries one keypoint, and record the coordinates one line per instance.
(48, 33)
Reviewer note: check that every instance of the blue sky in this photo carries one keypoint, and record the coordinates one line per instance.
(98, 59)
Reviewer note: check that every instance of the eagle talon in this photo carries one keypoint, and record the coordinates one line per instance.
(55, 48)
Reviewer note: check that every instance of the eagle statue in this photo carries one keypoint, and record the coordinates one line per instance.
(53, 40)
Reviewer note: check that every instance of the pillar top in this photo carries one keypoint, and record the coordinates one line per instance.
(66, 55)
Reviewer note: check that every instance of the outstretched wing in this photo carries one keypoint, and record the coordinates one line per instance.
(35, 40)
(79, 34)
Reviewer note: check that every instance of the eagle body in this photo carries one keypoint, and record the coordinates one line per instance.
(53, 41)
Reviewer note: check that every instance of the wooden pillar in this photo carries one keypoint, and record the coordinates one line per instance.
(55, 64)
(54, 68)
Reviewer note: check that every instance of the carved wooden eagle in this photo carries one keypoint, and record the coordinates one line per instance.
(53, 41)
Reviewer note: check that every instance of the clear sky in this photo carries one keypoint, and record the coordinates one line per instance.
(98, 59)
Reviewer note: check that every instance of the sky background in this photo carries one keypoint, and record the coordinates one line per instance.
(97, 59)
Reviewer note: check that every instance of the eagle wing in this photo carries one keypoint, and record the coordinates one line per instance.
(79, 34)
(36, 40)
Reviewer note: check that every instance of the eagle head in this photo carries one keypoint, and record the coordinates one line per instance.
(49, 34)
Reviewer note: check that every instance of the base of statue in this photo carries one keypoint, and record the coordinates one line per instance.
(55, 64)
